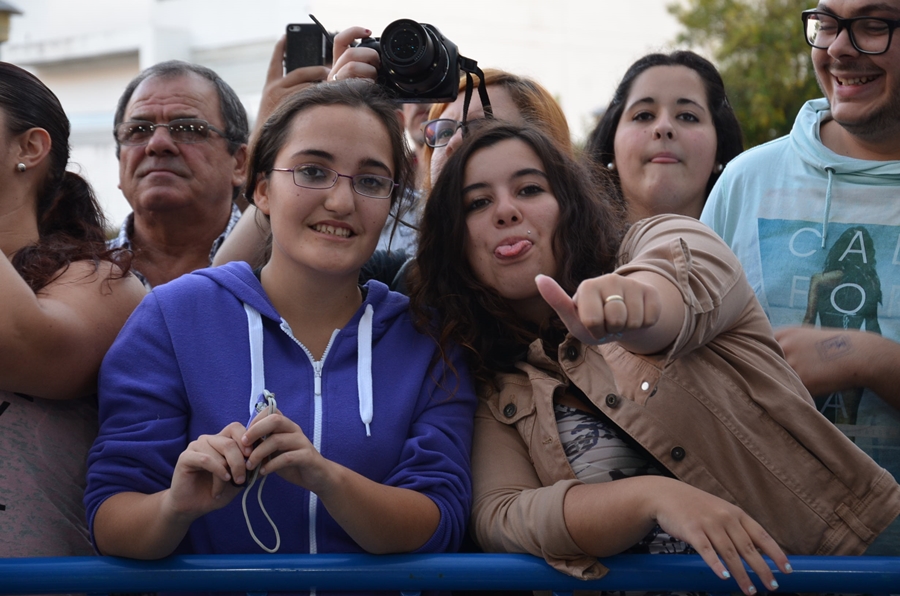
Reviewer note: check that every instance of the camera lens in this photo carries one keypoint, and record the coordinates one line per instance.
(407, 48)
(417, 62)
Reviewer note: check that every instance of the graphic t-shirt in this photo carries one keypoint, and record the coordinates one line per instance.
(818, 235)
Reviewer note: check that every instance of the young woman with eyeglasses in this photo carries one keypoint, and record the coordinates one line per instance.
(64, 298)
(318, 393)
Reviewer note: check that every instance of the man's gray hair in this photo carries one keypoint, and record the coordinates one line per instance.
(237, 129)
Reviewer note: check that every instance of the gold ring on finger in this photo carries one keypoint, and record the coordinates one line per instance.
(613, 298)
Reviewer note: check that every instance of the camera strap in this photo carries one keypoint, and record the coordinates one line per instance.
(470, 66)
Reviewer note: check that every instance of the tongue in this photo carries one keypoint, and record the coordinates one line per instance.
(512, 250)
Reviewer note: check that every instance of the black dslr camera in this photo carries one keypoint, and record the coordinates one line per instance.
(418, 64)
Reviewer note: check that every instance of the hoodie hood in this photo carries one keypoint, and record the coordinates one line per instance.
(807, 144)
(239, 280)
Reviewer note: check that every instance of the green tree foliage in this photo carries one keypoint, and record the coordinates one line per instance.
(759, 48)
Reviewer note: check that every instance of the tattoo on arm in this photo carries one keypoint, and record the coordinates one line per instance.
(834, 348)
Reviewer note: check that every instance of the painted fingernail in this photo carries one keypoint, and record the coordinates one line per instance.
(726, 575)
(368, 32)
(773, 584)
(751, 590)
(788, 568)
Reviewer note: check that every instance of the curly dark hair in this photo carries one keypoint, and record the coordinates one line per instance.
(729, 138)
(447, 299)
(71, 226)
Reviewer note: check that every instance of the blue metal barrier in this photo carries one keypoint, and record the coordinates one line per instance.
(412, 573)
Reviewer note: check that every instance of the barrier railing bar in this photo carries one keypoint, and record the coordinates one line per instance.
(412, 573)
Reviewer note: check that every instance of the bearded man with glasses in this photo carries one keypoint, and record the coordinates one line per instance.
(181, 139)
(815, 219)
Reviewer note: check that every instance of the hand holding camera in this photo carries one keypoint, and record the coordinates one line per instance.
(352, 61)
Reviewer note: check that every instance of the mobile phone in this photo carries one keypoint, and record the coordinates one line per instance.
(306, 46)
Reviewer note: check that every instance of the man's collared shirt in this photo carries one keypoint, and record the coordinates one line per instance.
(123, 240)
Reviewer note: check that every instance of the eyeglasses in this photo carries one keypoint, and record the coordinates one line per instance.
(439, 132)
(184, 131)
(319, 178)
(869, 35)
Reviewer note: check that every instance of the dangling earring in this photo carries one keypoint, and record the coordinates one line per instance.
(611, 166)
(719, 168)
(21, 167)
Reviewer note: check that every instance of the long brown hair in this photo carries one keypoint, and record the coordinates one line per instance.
(447, 299)
(70, 222)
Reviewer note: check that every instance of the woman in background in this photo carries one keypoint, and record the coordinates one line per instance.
(667, 134)
(513, 99)
(63, 299)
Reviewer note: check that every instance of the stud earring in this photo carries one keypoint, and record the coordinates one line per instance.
(611, 166)
(719, 168)
(21, 167)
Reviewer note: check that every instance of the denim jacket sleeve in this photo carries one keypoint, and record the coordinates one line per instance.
(702, 267)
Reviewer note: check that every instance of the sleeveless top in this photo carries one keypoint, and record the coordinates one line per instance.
(43, 449)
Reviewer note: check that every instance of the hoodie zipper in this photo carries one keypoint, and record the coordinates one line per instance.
(317, 365)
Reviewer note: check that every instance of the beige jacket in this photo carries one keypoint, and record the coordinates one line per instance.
(721, 410)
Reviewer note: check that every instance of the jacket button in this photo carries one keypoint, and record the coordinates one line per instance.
(678, 453)
(510, 410)
(571, 353)
(612, 400)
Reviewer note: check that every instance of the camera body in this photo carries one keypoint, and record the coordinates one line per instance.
(418, 64)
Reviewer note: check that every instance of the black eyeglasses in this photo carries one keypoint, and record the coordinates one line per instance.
(185, 131)
(869, 35)
(319, 178)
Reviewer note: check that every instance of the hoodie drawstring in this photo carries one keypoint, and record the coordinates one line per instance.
(364, 367)
(830, 172)
(260, 399)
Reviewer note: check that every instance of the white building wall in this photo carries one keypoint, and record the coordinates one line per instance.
(88, 50)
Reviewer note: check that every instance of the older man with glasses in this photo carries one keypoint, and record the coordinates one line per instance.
(181, 139)
(815, 219)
